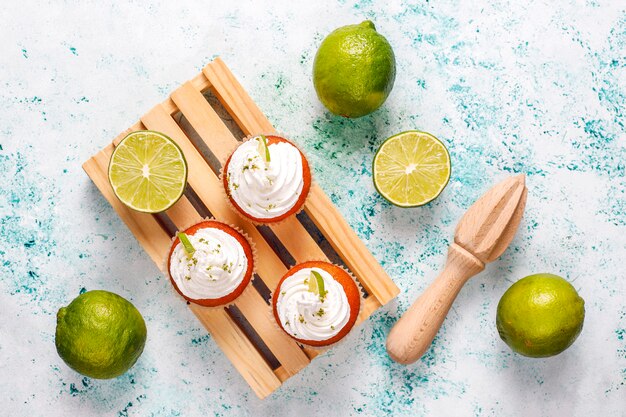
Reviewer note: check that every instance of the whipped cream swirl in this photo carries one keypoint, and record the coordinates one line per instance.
(306, 315)
(216, 268)
(262, 189)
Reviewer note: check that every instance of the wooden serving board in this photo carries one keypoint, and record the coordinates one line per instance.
(246, 332)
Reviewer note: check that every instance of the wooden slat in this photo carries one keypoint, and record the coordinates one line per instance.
(298, 241)
(351, 249)
(236, 346)
(370, 304)
(259, 314)
(207, 124)
(206, 185)
(199, 82)
(204, 120)
(319, 207)
(281, 374)
(237, 102)
(183, 213)
(146, 229)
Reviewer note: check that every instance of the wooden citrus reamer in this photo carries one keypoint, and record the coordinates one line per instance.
(482, 235)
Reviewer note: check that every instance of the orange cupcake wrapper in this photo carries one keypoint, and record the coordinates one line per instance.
(345, 337)
(248, 287)
(222, 175)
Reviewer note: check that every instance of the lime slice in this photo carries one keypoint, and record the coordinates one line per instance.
(264, 151)
(411, 168)
(316, 284)
(186, 244)
(148, 171)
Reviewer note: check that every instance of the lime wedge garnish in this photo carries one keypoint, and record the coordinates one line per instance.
(263, 149)
(186, 244)
(148, 171)
(316, 284)
(411, 168)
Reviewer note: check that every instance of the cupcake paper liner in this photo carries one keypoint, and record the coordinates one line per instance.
(248, 287)
(236, 210)
(323, 348)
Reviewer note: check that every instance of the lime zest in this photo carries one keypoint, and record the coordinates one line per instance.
(186, 244)
(263, 148)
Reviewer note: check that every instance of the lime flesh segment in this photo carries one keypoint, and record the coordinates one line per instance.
(148, 171)
(316, 284)
(263, 149)
(411, 168)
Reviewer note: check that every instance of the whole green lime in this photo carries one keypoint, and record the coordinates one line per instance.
(354, 70)
(540, 315)
(100, 334)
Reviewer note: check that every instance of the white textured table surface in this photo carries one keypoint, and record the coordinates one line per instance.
(536, 87)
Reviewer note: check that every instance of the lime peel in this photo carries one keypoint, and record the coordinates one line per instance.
(100, 334)
(354, 70)
(540, 315)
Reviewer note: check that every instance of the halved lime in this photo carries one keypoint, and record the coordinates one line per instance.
(148, 171)
(411, 168)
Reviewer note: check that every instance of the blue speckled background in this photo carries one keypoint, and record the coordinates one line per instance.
(537, 87)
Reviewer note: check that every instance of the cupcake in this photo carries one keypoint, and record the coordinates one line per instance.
(267, 179)
(210, 263)
(316, 303)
